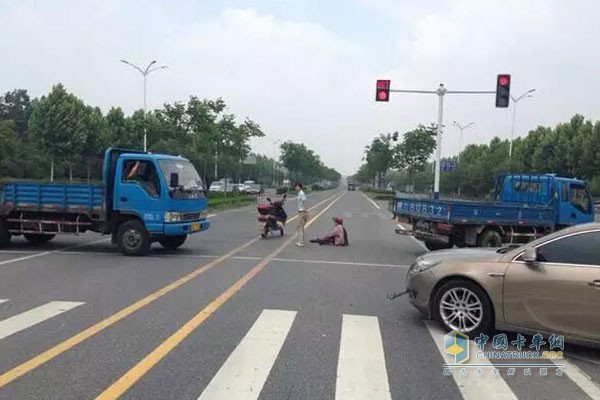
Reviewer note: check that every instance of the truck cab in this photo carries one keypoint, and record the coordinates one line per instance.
(570, 197)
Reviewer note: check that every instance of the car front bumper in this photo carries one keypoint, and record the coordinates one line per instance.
(419, 286)
(186, 228)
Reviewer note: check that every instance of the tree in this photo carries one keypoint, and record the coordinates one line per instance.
(379, 155)
(416, 148)
(16, 106)
(58, 123)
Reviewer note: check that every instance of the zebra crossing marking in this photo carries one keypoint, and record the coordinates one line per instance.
(245, 372)
(361, 372)
(34, 316)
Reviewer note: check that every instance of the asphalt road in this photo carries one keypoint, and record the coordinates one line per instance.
(231, 316)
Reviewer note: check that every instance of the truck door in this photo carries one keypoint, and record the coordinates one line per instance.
(138, 191)
(575, 204)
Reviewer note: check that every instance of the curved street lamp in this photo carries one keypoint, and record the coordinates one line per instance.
(512, 130)
(145, 72)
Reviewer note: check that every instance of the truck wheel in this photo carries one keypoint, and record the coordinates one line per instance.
(38, 238)
(489, 238)
(172, 242)
(437, 245)
(4, 234)
(133, 239)
(463, 306)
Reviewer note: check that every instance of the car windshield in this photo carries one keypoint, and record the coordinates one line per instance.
(188, 176)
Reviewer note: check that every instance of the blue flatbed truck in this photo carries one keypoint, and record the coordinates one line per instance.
(144, 198)
(525, 207)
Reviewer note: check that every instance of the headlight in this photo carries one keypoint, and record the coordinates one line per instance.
(172, 216)
(203, 214)
(422, 265)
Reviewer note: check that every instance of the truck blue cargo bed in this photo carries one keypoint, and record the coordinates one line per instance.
(476, 213)
(31, 196)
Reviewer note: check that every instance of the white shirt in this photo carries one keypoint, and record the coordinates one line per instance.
(301, 199)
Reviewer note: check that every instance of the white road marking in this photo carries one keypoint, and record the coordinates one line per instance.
(371, 201)
(472, 386)
(3, 301)
(421, 244)
(357, 264)
(34, 316)
(211, 215)
(45, 253)
(245, 372)
(361, 372)
(580, 378)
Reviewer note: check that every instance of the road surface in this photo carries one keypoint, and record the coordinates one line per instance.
(231, 316)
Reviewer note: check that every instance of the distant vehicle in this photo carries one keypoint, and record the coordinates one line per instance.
(525, 207)
(216, 187)
(550, 285)
(144, 198)
(254, 189)
(351, 186)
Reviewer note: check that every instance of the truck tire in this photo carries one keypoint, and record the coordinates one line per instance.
(489, 238)
(35, 238)
(475, 313)
(172, 242)
(133, 239)
(433, 246)
(4, 234)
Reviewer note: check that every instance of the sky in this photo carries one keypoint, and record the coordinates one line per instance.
(306, 70)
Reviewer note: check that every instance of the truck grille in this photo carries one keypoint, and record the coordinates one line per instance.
(193, 216)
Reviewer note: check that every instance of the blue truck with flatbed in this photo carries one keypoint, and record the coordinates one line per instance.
(524, 207)
(144, 198)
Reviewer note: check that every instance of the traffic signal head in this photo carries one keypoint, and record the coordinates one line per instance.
(503, 91)
(382, 91)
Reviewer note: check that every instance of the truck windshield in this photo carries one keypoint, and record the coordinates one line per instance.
(188, 176)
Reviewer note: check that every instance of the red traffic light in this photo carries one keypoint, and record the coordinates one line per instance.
(504, 80)
(503, 91)
(382, 90)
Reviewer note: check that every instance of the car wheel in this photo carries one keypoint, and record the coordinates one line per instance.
(490, 238)
(133, 239)
(461, 305)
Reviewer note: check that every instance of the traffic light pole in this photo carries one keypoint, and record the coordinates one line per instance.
(441, 92)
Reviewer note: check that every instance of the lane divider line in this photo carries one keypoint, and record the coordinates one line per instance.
(377, 206)
(73, 341)
(121, 385)
(45, 253)
(357, 264)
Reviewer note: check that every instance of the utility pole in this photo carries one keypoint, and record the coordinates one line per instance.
(440, 92)
(145, 72)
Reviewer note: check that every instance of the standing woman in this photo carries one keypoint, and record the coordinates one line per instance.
(302, 213)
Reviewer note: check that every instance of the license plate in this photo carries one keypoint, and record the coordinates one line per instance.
(195, 226)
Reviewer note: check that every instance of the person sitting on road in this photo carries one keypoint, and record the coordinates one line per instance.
(338, 236)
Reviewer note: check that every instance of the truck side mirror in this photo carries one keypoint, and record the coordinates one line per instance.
(174, 180)
(530, 255)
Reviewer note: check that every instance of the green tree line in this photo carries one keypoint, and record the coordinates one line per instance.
(570, 149)
(59, 136)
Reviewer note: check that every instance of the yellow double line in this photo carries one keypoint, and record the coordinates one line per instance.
(121, 385)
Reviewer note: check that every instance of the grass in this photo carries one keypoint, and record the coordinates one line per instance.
(220, 203)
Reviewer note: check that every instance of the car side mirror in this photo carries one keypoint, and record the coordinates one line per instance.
(530, 255)
(285, 196)
(269, 199)
(174, 180)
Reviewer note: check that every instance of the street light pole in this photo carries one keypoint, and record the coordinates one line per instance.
(512, 129)
(145, 72)
(462, 128)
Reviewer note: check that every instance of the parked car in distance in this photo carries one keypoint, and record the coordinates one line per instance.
(548, 286)
(216, 187)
